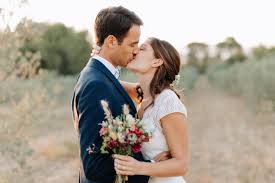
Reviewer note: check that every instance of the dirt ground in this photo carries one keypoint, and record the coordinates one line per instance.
(228, 143)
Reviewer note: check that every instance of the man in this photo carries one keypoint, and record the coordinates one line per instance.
(117, 30)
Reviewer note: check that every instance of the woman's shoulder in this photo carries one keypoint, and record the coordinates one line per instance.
(167, 94)
(168, 102)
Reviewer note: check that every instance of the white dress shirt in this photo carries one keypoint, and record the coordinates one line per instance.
(108, 65)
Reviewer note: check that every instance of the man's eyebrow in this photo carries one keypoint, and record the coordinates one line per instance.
(136, 42)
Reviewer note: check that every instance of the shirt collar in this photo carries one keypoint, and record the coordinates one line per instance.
(108, 65)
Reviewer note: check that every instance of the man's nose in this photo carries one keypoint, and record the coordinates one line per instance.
(136, 50)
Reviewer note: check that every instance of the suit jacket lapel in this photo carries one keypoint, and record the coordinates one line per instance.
(99, 66)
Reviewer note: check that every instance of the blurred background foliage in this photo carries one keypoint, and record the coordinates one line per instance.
(37, 47)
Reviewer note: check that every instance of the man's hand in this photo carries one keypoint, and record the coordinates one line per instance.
(162, 156)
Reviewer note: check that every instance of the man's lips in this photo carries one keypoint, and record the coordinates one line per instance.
(131, 60)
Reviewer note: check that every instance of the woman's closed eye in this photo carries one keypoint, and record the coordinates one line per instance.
(142, 47)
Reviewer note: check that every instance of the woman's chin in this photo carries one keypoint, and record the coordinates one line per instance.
(130, 67)
(133, 70)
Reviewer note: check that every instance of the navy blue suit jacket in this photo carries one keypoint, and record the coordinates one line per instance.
(96, 83)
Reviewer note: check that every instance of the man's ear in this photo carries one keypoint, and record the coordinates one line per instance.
(157, 62)
(111, 41)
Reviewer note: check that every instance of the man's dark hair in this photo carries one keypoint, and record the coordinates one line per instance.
(115, 21)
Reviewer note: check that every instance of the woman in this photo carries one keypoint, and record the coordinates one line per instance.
(157, 65)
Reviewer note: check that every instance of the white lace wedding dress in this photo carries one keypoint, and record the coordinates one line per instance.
(166, 103)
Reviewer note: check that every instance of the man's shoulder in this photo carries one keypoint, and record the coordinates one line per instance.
(93, 83)
(91, 75)
(89, 72)
(90, 79)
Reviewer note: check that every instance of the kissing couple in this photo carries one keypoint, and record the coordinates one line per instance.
(153, 99)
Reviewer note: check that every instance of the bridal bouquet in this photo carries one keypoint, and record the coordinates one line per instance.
(122, 135)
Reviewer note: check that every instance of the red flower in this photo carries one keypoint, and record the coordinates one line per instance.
(136, 148)
(112, 144)
(138, 132)
(146, 139)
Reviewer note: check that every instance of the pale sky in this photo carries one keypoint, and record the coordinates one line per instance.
(180, 22)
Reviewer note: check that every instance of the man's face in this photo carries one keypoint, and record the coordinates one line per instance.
(128, 49)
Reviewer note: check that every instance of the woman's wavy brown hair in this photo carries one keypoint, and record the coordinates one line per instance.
(165, 74)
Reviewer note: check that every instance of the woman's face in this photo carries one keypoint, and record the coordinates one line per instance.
(144, 61)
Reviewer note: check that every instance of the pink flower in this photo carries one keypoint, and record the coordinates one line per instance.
(127, 130)
(103, 131)
(140, 139)
(90, 150)
(136, 148)
(132, 127)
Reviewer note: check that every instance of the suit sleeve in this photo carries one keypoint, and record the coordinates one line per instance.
(97, 167)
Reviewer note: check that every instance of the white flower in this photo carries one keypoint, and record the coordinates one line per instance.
(104, 124)
(105, 105)
(120, 129)
(121, 137)
(110, 127)
(132, 138)
(117, 122)
(133, 127)
(126, 109)
(107, 112)
(130, 120)
(177, 79)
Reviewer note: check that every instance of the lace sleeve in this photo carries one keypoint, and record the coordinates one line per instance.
(168, 103)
